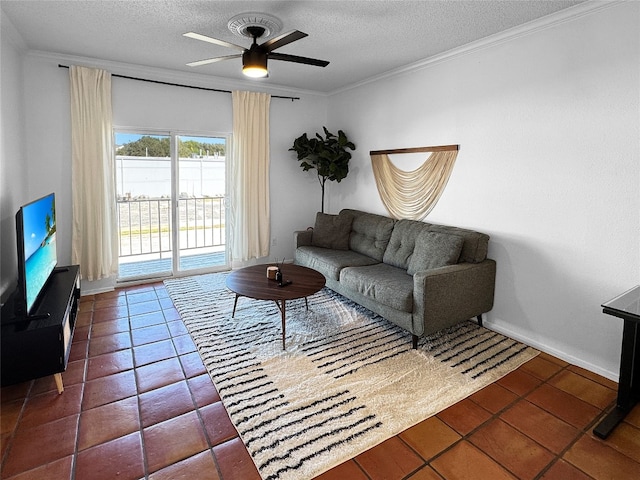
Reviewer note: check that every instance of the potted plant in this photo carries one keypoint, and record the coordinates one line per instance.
(328, 155)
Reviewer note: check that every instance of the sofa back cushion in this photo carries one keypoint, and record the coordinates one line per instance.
(402, 242)
(332, 231)
(475, 246)
(370, 233)
(415, 247)
(434, 250)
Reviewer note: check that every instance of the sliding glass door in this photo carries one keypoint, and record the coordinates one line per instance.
(201, 202)
(171, 204)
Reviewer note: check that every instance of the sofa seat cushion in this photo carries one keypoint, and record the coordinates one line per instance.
(388, 285)
(330, 262)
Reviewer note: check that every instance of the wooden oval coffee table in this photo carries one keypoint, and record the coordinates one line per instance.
(252, 282)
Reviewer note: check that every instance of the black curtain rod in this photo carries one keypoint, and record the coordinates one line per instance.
(185, 86)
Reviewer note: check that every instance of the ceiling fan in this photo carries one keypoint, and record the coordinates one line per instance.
(254, 58)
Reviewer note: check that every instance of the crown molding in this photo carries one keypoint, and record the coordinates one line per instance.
(210, 81)
(529, 28)
(167, 75)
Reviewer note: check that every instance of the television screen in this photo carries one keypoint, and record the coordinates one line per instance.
(37, 253)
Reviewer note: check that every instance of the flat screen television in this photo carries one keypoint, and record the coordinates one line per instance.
(37, 251)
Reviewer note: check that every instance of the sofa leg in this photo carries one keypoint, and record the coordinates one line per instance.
(414, 339)
(480, 319)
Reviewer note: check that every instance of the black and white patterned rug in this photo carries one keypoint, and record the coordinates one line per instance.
(347, 381)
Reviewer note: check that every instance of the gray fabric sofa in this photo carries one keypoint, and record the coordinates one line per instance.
(423, 277)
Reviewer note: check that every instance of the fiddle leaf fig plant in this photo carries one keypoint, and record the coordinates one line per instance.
(328, 155)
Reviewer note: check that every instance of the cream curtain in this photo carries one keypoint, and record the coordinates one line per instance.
(413, 194)
(94, 242)
(250, 216)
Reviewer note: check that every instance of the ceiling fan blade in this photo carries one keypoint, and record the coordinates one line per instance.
(282, 40)
(296, 59)
(213, 60)
(215, 41)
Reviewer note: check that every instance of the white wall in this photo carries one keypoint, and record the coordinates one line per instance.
(145, 105)
(139, 104)
(549, 161)
(13, 171)
(48, 133)
(549, 166)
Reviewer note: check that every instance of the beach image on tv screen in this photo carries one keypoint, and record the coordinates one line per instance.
(39, 227)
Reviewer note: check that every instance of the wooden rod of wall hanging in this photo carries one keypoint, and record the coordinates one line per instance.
(441, 148)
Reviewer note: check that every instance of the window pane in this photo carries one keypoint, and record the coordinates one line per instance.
(146, 211)
(143, 188)
(201, 207)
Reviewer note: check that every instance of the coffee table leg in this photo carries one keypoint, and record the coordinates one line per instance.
(282, 312)
(235, 304)
(306, 303)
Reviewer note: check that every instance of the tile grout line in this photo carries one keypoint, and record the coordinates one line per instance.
(145, 462)
(14, 432)
(581, 432)
(559, 455)
(463, 437)
(497, 416)
(196, 407)
(76, 451)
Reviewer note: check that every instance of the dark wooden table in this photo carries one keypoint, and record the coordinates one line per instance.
(627, 307)
(252, 282)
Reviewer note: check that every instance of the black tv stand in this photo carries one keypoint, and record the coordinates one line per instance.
(24, 320)
(38, 345)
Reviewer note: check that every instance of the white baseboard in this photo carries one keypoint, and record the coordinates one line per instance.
(96, 291)
(614, 376)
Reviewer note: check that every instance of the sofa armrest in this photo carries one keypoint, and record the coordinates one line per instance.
(453, 293)
(302, 237)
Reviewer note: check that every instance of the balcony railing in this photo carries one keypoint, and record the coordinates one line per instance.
(145, 225)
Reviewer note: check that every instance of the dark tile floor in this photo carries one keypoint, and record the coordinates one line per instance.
(138, 403)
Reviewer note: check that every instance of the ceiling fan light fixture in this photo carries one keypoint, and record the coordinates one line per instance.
(254, 64)
(254, 59)
(255, 72)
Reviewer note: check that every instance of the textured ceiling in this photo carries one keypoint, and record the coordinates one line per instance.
(361, 39)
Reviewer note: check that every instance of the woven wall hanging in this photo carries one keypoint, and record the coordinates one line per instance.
(413, 194)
